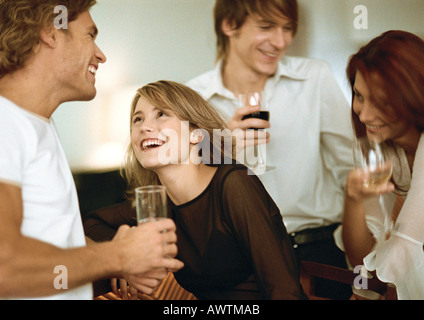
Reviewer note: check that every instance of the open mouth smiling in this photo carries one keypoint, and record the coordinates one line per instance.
(151, 144)
(92, 69)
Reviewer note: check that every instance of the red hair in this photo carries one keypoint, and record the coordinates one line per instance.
(394, 64)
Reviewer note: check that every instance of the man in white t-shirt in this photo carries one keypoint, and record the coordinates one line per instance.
(43, 251)
(309, 134)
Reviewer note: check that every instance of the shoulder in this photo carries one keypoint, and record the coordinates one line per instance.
(305, 67)
(16, 129)
(238, 180)
(242, 196)
(232, 172)
(202, 82)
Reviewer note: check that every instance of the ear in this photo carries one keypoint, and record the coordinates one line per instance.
(196, 136)
(48, 36)
(228, 27)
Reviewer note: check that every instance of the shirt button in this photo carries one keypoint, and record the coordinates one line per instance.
(293, 234)
(295, 246)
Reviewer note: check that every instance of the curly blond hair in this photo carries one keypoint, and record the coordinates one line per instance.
(21, 22)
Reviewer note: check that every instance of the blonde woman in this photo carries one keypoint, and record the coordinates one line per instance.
(231, 237)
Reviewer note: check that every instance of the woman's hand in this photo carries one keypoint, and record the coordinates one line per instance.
(357, 189)
(125, 292)
(133, 285)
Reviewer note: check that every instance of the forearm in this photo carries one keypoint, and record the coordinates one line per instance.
(28, 267)
(357, 239)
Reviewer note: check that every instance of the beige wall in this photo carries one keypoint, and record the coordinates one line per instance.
(149, 40)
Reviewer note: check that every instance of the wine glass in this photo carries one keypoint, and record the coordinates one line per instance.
(151, 203)
(256, 99)
(373, 157)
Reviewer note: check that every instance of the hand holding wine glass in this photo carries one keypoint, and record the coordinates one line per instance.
(256, 119)
(372, 157)
(374, 169)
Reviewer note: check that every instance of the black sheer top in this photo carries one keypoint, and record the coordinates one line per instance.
(231, 239)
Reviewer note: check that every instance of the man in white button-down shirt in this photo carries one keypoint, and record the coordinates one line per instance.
(309, 132)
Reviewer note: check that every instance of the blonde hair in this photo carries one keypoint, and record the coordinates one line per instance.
(189, 106)
(21, 22)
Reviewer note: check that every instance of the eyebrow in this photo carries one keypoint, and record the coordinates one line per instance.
(136, 113)
(263, 20)
(94, 29)
(355, 89)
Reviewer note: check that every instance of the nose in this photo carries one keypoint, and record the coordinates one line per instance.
(101, 57)
(147, 125)
(365, 112)
(278, 39)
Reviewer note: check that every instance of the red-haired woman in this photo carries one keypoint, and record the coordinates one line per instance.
(387, 80)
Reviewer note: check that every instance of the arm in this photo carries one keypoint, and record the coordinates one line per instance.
(257, 226)
(102, 224)
(336, 128)
(26, 265)
(357, 238)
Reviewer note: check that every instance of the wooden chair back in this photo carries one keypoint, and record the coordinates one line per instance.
(310, 271)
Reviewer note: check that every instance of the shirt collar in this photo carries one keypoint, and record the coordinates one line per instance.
(290, 68)
(287, 68)
(216, 86)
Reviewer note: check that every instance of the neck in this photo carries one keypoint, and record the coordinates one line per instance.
(30, 99)
(239, 79)
(409, 142)
(33, 87)
(185, 182)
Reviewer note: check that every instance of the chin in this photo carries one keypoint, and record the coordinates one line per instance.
(86, 94)
(268, 71)
(150, 165)
(90, 96)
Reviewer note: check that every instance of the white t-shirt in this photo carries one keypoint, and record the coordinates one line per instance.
(32, 158)
(311, 139)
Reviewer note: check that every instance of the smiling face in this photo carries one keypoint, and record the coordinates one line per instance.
(80, 58)
(158, 136)
(259, 44)
(379, 122)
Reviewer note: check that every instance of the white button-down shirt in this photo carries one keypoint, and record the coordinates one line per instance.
(311, 139)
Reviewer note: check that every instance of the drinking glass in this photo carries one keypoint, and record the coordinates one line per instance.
(373, 157)
(151, 203)
(256, 99)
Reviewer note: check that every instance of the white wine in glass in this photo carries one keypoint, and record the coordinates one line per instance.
(373, 158)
